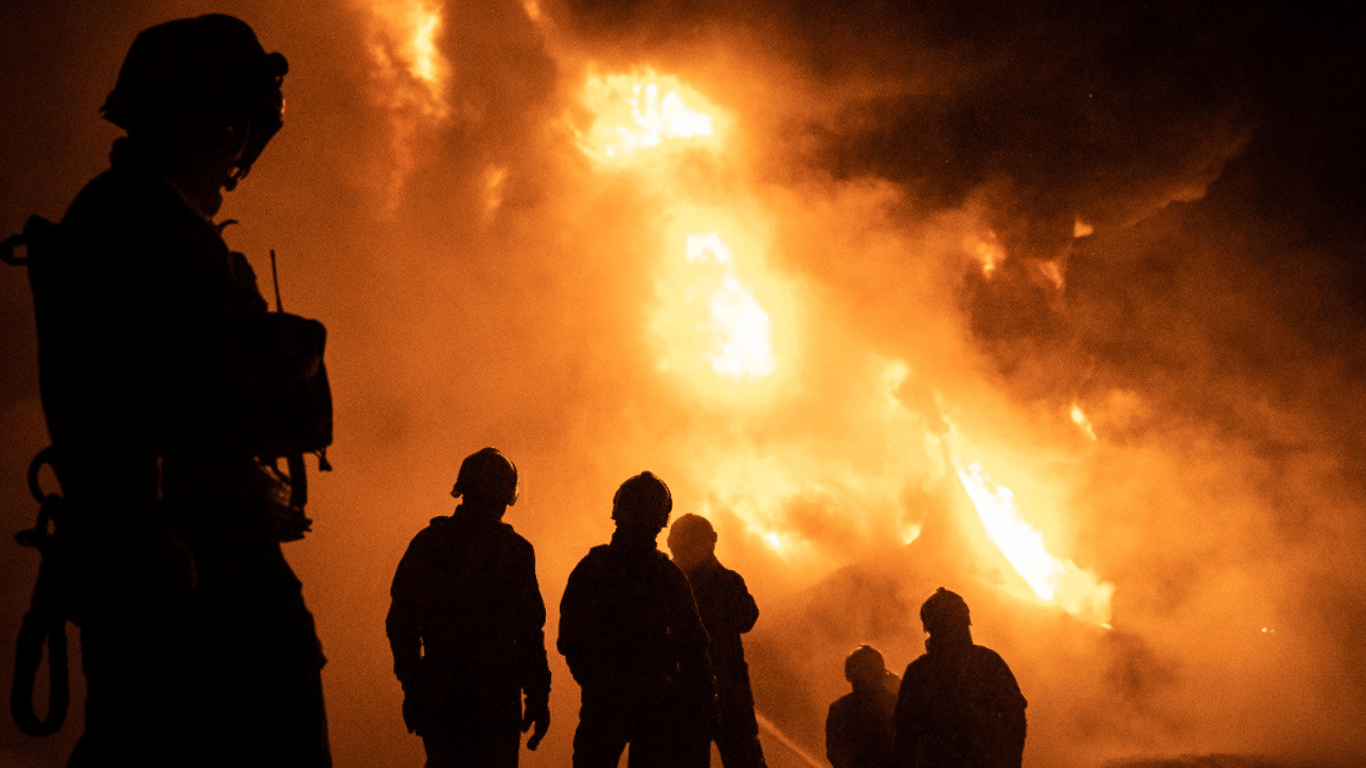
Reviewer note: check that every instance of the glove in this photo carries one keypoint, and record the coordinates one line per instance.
(413, 715)
(537, 713)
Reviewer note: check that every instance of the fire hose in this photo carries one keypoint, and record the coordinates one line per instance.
(45, 621)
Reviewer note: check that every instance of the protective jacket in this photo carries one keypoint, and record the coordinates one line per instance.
(858, 727)
(728, 611)
(960, 707)
(193, 625)
(467, 624)
(630, 633)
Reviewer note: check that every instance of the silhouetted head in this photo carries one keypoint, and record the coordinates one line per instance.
(200, 90)
(642, 505)
(691, 541)
(865, 667)
(945, 612)
(487, 479)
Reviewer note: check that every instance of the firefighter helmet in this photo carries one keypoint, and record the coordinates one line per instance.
(488, 475)
(944, 609)
(864, 663)
(643, 499)
(213, 61)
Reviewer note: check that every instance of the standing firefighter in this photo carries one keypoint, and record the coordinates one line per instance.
(631, 635)
(727, 611)
(858, 727)
(959, 705)
(169, 393)
(466, 627)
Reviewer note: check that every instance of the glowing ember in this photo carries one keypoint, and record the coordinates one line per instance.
(1083, 423)
(988, 252)
(641, 112)
(1057, 581)
(739, 325)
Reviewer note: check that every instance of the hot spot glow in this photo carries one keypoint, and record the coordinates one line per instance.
(1057, 581)
(404, 38)
(738, 324)
(640, 112)
(988, 252)
(1083, 423)
(410, 78)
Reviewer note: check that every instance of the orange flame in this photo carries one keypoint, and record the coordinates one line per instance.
(636, 116)
(1061, 582)
(403, 43)
(411, 75)
(640, 112)
(739, 325)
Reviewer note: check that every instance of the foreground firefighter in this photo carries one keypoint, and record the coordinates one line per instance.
(467, 627)
(169, 392)
(630, 633)
(959, 705)
(858, 727)
(727, 611)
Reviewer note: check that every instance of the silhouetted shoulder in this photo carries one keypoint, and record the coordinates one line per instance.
(916, 669)
(840, 708)
(987, 673)
(595, 559)
(606, 555)
(995, 672)
(126, 194)
(449, 530)
(731, 579)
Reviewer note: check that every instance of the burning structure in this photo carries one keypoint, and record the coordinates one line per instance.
(1059, 307)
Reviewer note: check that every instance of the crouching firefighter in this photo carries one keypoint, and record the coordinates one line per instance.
(172, 396)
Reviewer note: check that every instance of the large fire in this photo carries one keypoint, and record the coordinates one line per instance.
(818, 276)
(708, 312)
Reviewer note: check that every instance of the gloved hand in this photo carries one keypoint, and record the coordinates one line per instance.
(537, 713)
(413, 715)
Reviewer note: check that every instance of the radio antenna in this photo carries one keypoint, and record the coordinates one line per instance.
(275, 278)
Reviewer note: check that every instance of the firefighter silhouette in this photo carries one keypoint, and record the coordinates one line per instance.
(630, 633)
(467, 626)
(727, 611)
(858, 727)
(959, 704)
(169, 393)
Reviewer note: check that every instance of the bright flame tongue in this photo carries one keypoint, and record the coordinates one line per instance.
(640, 112)
(639, 118)
(738, 323)
(404, 44)
(1021, 544)
(1076, 591)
